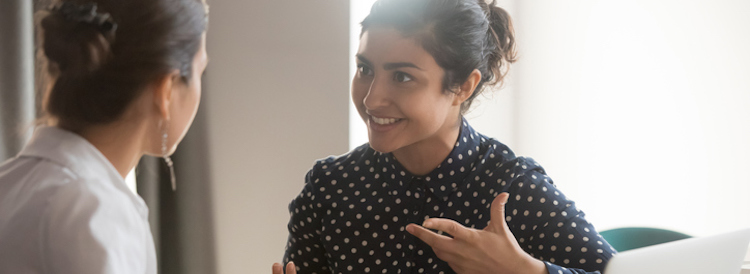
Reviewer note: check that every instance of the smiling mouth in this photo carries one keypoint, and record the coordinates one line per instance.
(384, 121)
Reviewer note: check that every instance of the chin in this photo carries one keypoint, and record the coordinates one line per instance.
(379, 148)
(383, 146)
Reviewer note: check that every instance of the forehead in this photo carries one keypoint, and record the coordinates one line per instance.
(387, 45)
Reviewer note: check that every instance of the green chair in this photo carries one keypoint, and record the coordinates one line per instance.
(627, 238)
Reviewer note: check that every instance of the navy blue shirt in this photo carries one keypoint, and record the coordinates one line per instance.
(352, 213)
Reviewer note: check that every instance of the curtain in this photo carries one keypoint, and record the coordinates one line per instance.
(16, 76)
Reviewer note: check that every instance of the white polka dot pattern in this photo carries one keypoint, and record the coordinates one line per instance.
(351, 215)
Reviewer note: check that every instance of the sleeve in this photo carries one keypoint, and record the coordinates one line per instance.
(548, 225)
(304, 246)
(85, 232)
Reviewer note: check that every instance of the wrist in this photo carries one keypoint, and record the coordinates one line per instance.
(531, 265)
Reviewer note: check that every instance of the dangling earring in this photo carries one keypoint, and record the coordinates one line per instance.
(164, 153)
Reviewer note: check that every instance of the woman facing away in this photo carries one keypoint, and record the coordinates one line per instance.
(126, 81)
(482, 209)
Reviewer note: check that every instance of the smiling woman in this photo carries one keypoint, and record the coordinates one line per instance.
(395, 96)
(593, 83)
(420, 65)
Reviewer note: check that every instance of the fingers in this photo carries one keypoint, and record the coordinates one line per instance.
(290, 269)
(277, 268)
(497, 215)
(443, 246)
(448, 226)
(429, 237)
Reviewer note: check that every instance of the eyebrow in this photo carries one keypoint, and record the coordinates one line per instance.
(390, 66)
(363, 59)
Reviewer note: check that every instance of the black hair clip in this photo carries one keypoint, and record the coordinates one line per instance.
(86, 13)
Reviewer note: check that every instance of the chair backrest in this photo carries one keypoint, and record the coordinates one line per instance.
(717, 254)
(627, 238)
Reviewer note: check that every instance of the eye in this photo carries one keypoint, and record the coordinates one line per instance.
(363, 70)
(402, 77)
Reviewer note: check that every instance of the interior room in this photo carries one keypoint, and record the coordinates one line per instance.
(638, 110)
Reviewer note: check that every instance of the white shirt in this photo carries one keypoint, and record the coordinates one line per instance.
(65, 209)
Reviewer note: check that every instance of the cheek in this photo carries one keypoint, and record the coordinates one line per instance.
(358, 95)
(427, 117)
(187, 106)
(427, 110)
(196, 95)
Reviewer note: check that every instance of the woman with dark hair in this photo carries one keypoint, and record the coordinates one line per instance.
(421, 63)
(124, 81)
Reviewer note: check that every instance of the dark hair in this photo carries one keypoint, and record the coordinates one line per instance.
(96, 70)
(462, 35)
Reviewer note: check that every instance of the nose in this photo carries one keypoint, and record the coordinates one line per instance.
(377, 95)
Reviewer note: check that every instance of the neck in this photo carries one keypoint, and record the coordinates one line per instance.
(424, 156)
(121, 143)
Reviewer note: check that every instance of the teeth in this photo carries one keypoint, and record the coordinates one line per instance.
(384, 121)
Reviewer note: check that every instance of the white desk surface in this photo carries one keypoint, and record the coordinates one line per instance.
(746, 265)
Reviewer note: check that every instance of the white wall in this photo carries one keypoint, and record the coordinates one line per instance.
(494, 112)
(640, 109)
(276, 96)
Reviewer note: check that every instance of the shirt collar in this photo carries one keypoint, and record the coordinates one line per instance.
(448, 176)
(77, 154)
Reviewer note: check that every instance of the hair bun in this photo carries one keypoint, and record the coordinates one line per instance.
(77, 38)
(86, 13)
(500, 43)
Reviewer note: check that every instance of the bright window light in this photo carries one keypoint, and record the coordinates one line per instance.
(359, 10)
(639, 110)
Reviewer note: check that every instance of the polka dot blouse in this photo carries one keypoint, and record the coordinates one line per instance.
(352, 213)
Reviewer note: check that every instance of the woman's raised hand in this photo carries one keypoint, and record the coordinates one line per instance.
(491, 250)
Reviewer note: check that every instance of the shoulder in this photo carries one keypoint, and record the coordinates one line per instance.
(520, 166)
(93, 202)
(86, 214)
(84, 231)
(495, 150)
(72, 217)
(344, 166)
(32, 176)
(34, 170)
(31, 183)
(498, 161)
(496, 154)
(38, 188)
(56, 193)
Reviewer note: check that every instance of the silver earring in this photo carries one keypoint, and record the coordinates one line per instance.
(165, 155)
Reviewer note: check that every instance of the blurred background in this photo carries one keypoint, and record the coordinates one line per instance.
(639, 110)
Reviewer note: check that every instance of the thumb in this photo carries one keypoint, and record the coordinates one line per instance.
(497, 214)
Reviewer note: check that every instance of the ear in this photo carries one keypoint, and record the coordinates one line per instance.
(468, 87)
(163, 93)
